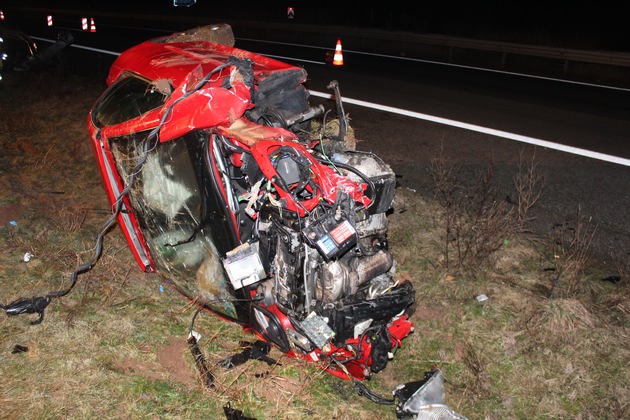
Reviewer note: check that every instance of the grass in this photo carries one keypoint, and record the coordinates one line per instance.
(115, 346)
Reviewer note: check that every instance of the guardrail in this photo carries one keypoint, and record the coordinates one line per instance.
(397, 43)
(588, 56)
(413, 44)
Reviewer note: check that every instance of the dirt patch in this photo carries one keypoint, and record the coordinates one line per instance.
(9, 212)
(431, 313)
(171, 364)
(172, 358)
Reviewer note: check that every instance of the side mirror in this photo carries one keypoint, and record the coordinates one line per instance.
(184, 3)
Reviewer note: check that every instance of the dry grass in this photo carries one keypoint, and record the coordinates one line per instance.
(520, 354)
(570, 244)
(562, 319)
(113, 348)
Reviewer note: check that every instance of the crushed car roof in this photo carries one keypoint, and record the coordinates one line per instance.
(161, 59)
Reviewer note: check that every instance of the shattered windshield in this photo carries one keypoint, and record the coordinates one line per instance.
(168, 200)
(127, 99)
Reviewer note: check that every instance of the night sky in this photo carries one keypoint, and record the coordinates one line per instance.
(576, 24)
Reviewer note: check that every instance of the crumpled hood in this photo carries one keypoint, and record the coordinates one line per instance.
(173, 61)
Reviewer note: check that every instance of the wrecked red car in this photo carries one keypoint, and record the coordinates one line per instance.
(250, 201)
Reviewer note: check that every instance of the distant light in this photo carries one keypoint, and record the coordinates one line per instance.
(184, 3)
(1, 15)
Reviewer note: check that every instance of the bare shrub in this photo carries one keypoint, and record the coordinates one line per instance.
(529, 182)
(476, 222)
(479, 381)
(570, 245)
(621, 262)
(616, 298)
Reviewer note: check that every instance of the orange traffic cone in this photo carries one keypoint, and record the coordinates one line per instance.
(338, 57)
(92, 25)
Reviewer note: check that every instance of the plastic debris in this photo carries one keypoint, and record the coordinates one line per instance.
(482, 298)
(195, 334)
(234, 414)
(613, 279)
(13, 223)
(19, 349)
(27, 257)
(28, 306)
(206, 376)
(424, 399)
(258, 351)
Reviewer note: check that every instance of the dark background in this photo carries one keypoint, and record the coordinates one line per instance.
(579, 24)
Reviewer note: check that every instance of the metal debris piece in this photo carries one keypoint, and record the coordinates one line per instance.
(19, 349)
(258, 351)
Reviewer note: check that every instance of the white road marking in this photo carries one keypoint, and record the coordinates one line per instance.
(485, 130)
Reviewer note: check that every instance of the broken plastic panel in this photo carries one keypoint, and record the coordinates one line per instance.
(317, 330)
(243, 265)
(424, 399)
